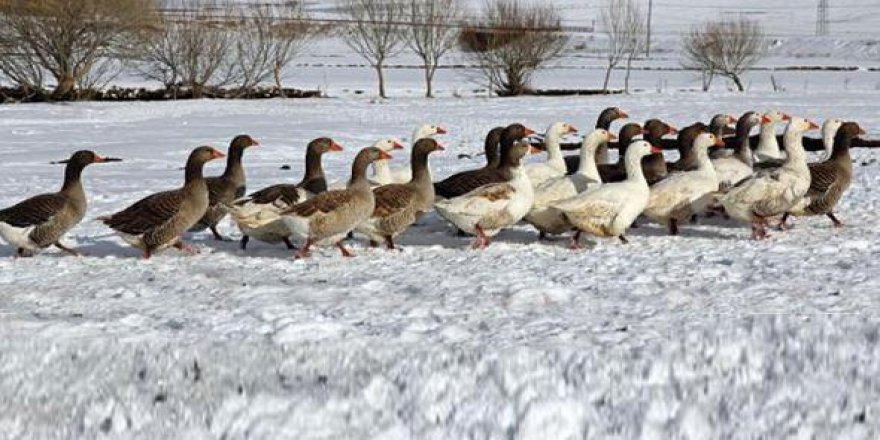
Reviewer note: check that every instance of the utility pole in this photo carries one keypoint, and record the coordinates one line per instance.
(648, 36)
(822, 18)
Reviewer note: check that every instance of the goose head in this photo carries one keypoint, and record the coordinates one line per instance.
(388, 144)
(560, 129)
(638, 149)
(427, 130)
(322, 145)
(800, 125)
(204, 154)
(773, 116)
(704, 141)
(830, 127)
(655, 129)
(83, 158)
(598, 137)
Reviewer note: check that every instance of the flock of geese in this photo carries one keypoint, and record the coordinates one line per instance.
(585, 193)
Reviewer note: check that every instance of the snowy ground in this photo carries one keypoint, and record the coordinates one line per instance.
(706, 335)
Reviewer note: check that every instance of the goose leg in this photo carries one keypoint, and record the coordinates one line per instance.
(344, 250)
(837, 223)
(181, 245)
(389, 243)
(623, 239)
(217, 235)
(23, 253)
(783, 223)
(288, 243)
(576, 241)
(304, 252)
(673, 226)
(244, 242)
(482, 240)
(66, 249)
(374, 243)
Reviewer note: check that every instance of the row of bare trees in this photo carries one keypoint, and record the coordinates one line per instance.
(84, 44)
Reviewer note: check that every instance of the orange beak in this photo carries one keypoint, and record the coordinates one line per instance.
(731, 119)
(256, 143)
(786, 117)
(572, 129)
(384, 155)
(529, 131)
(719, 142)
(440, 147)
(397, 146)
(216, 154)
(611, 136)
(765, 119)
(656, 150)
(441, 130)
(334, 146)
(534, 150)
(103, 159)
(622, 114)
(813, 125)
(672, 130)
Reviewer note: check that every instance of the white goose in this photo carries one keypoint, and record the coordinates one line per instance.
(551, 221)
(733, 168)
(774, 192)
(382, 172)
(681, 195)
(555, 164)
(768, 147)
(608, 210)
(829, 130)
(490, 208)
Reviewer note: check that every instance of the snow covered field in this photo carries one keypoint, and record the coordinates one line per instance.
(705, 335)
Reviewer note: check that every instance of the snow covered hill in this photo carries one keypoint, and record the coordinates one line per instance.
(705, 335)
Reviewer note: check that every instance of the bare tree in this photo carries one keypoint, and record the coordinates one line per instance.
(511, 42)
(432, 33)
(375, 32)
(624, 25)
(727, 48)
(69, 38)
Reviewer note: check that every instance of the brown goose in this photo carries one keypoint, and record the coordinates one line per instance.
(490, 148)
(399, 205)
(225, 188)
(608, 116)
(616, 172)
(41, 221)
(463, 183)
(257, 215)
(157, 221)
(654, 165)
(687, 158)
(722, 125)
(328, 217)
(829, 179)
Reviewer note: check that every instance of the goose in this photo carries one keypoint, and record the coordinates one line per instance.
(550, 221)
(603, 121)
(773, 192)
(157, 221)
(490, 148)
(399, 205)
(829, 132)
(555, 164)
(738, 166)
(42, 220)
(225, 188)
(829, 179)
(382, 173)
(616, 172)
(459, 184)
(258, 216)
(687, 158)
(768, 146)
(682, 195)
(489, 208)
(328, 217)
(720, 125)
(654, 166)
(609, 209)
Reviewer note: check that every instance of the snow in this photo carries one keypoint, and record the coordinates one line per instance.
(704, 335)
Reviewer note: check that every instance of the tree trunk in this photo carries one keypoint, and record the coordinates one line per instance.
(64, 89)
(736, 80)
(607, 78)
(197, 90)
(429, 78)
(276, 72)
(381, 76)
(626, 78)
